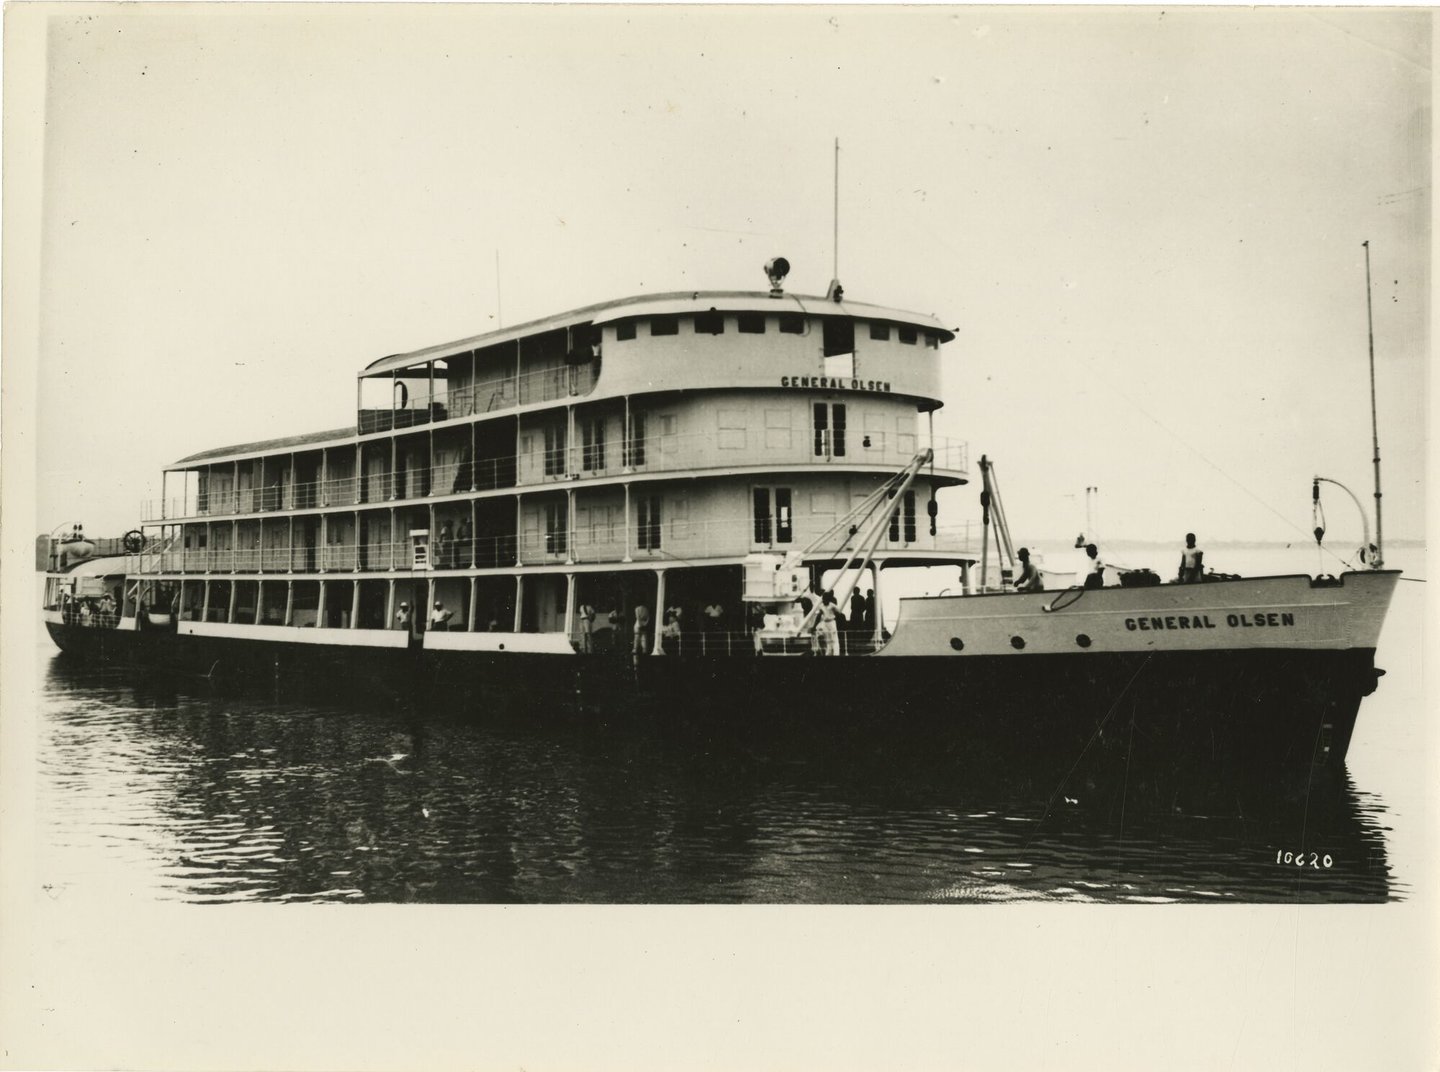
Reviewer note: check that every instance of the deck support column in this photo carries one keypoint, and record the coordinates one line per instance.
(356, 568)
(627, 557)
(474, 594)
(205, 601)
(234, 599)
(390, 605)
(570, 605)
(875, 605)
(657, 614)
(355, 603)
(518, 532)
(289, 602)
(320, 607)
(290, 547)
(434, 536)
(393, 541)
(519, 601)
(324, 542)
(569, 526)
(570, 466)
(474, 534)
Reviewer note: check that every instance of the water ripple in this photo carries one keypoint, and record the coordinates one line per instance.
(211, 799)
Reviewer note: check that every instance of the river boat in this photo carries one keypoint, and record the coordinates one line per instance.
(696, 505)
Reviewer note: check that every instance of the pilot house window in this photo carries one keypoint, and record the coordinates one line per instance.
(839, 336)
(711, 323)
(751, 323)
(667, 325)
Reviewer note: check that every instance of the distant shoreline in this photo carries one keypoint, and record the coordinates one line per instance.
(1233, 545)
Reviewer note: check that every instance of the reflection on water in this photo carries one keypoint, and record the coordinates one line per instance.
(199, 797)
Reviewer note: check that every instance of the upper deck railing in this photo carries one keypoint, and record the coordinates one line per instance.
(488, 395)
(677, 542)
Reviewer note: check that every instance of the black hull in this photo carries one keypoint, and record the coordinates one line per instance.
(1212, 716)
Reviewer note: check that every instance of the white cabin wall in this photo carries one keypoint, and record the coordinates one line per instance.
(732, 359)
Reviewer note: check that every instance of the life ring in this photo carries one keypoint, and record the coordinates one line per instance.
(133, 542)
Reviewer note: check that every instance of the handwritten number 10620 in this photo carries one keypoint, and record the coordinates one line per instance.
(1303, 859)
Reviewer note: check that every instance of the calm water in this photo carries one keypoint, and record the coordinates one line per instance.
(192, 796)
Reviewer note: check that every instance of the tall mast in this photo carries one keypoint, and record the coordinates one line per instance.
(835, 217)
(1378, 559)
(499, 317)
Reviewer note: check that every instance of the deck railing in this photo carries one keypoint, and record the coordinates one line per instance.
(699, 453)
(486, 396)
(673, 542)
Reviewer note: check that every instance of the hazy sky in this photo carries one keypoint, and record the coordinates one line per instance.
(1145, 225)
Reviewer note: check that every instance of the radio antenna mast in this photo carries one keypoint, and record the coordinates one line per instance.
(1378, 558)
(835, 216)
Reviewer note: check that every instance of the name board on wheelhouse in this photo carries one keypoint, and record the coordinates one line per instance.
(834, 383)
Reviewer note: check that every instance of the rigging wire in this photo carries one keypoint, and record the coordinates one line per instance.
(1201, 455)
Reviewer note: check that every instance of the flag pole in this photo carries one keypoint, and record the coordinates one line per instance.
(1377, 558)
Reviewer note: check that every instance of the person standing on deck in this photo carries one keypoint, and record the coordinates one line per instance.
(828, 628)
(587, 628)
(861, 608)
(465, 542)
(440, 618)
(404, 619)
(640, 645)
(1029, 579)
(670, 634)
(1095, 578)
(1191, 561)
(444, 546)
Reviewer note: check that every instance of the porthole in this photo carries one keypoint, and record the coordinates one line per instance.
(1017, 642)
(502, 647)
(1083, 640)
(957, 643)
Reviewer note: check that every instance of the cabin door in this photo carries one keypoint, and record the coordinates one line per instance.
(772, 519)
(829, 429)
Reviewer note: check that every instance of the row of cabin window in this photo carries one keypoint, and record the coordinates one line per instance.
(828, 427)
(647, 523)
(754, 324)
(772, 516)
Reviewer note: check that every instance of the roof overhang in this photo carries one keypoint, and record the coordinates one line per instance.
(678, 302)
